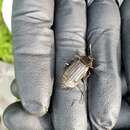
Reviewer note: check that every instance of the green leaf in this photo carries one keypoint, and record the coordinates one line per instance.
(6, 53)
(1, 4)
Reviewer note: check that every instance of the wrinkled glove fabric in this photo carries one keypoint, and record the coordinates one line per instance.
(69, 105)
(34, 52)
(104, 92)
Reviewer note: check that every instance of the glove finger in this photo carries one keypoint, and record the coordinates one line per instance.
(104, 91)
(69, 109)
(16, 118)
(125, 36)
(33, 52)
(124, 117)
(14, 88)
(123, 122)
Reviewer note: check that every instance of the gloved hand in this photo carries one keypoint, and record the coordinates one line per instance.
(34, 63)
(16, 118)
(69, 109)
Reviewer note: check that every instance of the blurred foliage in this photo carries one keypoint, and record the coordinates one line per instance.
(6, 53)
(0, 4)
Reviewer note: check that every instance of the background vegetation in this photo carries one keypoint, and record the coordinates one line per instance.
(5, 40)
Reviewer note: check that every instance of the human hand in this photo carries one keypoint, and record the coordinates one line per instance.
(68, 110)
(34, 61)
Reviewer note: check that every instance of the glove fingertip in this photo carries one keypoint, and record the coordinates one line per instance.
(36, 108)
(9, 116)
(16, 118)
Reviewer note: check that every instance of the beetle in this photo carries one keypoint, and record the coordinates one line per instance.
(75, 71)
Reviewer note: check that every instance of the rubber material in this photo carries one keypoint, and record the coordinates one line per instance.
(69, 105)
(104, 90)
(34, 52)
(16, 118)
